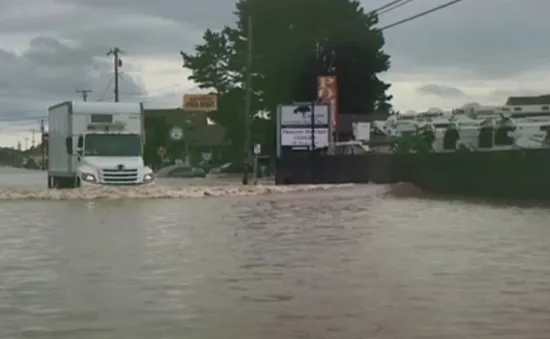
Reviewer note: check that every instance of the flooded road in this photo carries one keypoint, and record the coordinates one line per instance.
(353, 262)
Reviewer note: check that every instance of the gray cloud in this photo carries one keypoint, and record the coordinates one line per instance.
(51, 71)
(445, 92)
(489, 39)
(202, 14)
(67, 51)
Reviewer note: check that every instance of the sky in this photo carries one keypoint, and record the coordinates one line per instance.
(475, 51)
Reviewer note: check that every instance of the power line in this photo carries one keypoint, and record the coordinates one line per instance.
(383, 7)
(387, 7)
(33, 140)
(419, 15)
(106, 89)
(84, 93)
(130, 85)
(400, 4)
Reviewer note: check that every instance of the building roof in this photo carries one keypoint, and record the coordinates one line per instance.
(529, 100)
(346, 120)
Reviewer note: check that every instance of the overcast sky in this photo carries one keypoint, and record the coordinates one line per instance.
(477, 50)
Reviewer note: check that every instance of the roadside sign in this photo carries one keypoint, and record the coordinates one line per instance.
(161, 151)
(200, 102)
(176, 133)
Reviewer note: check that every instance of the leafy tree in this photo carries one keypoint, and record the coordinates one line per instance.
(211, 67)
(293, 43)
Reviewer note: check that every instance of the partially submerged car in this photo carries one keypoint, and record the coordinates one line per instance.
(180, 171)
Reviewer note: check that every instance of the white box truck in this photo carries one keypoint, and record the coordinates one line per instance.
(96, 143)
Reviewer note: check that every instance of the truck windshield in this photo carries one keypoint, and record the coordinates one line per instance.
(121, 145)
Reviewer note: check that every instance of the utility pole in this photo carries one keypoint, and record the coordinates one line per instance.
(115, 52)
(84, 93)
(43, 134)
(26, 144)
(33, 140)
(248, 101)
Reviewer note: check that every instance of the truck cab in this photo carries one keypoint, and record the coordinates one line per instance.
(110, 158)
(96, 144)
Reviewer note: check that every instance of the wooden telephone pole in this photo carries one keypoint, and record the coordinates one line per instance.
(115, 52)
(248, 99)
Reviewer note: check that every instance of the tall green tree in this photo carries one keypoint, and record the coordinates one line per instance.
(213, 68)
(293, 43)
(296, 41)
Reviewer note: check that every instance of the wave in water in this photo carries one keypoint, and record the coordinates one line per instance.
(155, 192)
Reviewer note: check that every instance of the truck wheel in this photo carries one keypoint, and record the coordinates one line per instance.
(56, 183)
(73, 182)
(61, 182)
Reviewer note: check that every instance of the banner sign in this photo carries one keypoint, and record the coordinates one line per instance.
(327, 93)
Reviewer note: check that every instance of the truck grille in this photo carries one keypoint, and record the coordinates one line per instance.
(119, 177)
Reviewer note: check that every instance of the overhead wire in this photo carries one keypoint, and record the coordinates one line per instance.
(387, 5)
(396, 6)
(122, 77)
(419, 15)
(101, 98)
(392, 5)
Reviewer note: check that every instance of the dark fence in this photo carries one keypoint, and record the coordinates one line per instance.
(515, 174)
(315, 168)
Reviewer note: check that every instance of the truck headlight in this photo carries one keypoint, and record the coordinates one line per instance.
(148, 177)
(87, 177)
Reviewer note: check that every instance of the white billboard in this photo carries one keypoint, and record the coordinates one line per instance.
(295, 115)
(361, 131)
(301, 137)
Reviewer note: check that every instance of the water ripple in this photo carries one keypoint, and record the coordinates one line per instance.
(351, 263)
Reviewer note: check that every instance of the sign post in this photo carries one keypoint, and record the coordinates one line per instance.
(257, 151)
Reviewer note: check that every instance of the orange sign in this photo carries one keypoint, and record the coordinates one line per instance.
(200, 102)
(327, 93)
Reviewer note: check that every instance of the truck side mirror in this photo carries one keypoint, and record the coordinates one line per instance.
(69, 145)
